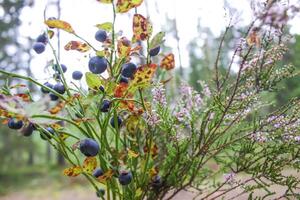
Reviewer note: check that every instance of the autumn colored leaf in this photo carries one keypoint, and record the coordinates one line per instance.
(157, 40)
(106, 176)
(121, 90)
(143, 76)
(124, 47)
(25, 97)
(168, 62)
(60, 24)
(76, 45)
(142, 28)
(124, 6)
(253, 39)
(132, 154)
(105, 1)
(153, 150)
(107, 26)
(72, 171)
(89, 164)
(57, 108)
(50, 34)
(153, 171)
(133, 123)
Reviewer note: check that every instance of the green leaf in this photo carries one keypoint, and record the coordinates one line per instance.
(93, 80)
(157, 40)
(107, 26)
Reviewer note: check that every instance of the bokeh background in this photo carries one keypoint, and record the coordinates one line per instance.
(29, 168)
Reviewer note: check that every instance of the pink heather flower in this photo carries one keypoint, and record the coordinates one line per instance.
(297, 139)
(182, 114)
(153, 119)
(159, 95)
(185, 90)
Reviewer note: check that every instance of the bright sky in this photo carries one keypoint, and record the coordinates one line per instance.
(83, 17)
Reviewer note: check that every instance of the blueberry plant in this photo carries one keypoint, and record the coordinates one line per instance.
(130, 141)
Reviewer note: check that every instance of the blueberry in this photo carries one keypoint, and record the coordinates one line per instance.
(128, 70)
(112, 122)
(100, 192)
(89, 147)
(101, 88)
(27, 131)
(77, 75)
(53, 97)
(101, 35)
(125, 177)
(39, 47)
(97, 65)
(154, 51)
(44, 90)
(105, 106)
(42, 38)
(63, 68)
(156, 182)
(60, 88)
(14, 124)
(45, 135)
(123, 80)
(98, 172)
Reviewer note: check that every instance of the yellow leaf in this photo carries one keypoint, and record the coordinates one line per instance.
(89, 164)
(105, 1)
(138, 192)
(107, 26)
(133, 124)
(142, 28)
(143, 76)
(124, 47)
(124, 6)
(50, 34)
(132, 154)
(56, 23)
(73, 171)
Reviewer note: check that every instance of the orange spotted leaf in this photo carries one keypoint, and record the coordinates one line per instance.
(56, 23)
(57, 108)
(76, 45)
(89, 164)
(25, 97)
(143, 76)
(124, 6)
(106, 176)
(124, 47)
(253, 39)
(142, 28)
(168, 62)
(73, 171)
(121, 90)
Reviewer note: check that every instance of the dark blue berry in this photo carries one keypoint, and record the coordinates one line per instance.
(39, 47)
(44, 90)
(105, 106)
(60, 88)
(156, 182)
(123, 80)
(89, 147)
(128, 70)
(100, 192)
(42, 38)
(98, 172)
(47, 134)
(125, 177)
(113, 123)
(27, 131)
(13, 124)
(63, 68)
(101, 88)
(154, 51)
(77, 75)
(53, 97)
(101, 35)
(97, 65)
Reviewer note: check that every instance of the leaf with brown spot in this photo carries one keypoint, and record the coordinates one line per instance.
(60, 24)
(78, 46)
(50, 34)
(89, 164)
(142, 28)
(106, 176)
(57, 108)
(123, 47)
(253, 39)
(168, 62)
(72, 171)
(124, 6)
(142, 77)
